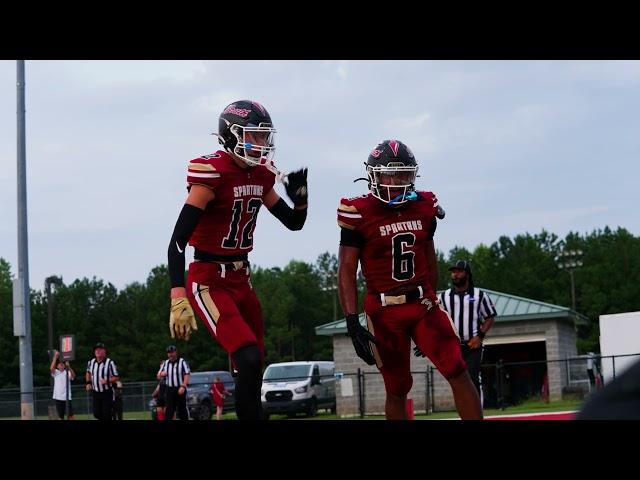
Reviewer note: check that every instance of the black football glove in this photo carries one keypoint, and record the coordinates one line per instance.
(361, 337)
(417, 352)
(296, 186)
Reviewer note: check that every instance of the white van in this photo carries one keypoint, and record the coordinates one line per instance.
(294, 387)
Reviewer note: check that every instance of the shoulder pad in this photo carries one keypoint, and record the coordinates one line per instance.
(202, 170)
(348, 214)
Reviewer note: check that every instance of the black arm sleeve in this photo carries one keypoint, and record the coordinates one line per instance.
(351, 238)
(291, 218)
(186, 224)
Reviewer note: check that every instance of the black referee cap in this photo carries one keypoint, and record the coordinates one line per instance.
(461, 265)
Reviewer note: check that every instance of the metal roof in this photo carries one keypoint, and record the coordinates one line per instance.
(509, 307)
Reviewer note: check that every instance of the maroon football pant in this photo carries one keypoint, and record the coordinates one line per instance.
(227, 305)
(394, 326)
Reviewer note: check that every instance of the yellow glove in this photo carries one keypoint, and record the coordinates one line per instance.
(181, 319)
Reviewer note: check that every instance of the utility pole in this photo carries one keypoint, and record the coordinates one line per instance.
(21, 300)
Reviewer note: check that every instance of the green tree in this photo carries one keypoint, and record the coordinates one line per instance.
(9, 367)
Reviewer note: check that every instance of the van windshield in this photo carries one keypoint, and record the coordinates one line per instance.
(287, 372)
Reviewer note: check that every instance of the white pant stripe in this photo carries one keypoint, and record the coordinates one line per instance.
(203, 308)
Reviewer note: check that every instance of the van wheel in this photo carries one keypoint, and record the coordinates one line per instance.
(312, 411)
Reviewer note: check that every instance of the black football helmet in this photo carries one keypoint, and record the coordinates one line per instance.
(247, 117)
(392, 171)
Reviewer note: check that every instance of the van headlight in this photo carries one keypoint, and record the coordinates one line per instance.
(301, 389)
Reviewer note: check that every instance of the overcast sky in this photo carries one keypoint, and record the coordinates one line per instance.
(508, 147)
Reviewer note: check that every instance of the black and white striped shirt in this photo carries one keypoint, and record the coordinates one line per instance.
(468, 313)
(175, 371)
(105, 369)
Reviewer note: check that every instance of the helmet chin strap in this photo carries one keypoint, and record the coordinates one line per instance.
(411, 196)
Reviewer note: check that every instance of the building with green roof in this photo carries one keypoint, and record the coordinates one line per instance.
(525, 330)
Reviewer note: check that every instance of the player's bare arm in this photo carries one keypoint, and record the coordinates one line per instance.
(348, 257)
(347, 269)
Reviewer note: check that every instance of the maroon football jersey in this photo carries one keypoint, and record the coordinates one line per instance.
(226, 227)
(394, 250)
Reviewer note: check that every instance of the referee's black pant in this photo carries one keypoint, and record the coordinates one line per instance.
(176, 403)
(102, 404)
(473, 357)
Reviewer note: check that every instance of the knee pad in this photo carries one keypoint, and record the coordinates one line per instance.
(453, 368)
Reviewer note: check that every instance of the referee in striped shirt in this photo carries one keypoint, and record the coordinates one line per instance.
(176, 371)
(101, 374)
(473, 314)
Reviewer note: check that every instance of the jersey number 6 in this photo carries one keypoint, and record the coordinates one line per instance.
(403, 260)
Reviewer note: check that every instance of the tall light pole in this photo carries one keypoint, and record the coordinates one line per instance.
(21, 299)
(52, 280)
(334, 297)
(569, 260)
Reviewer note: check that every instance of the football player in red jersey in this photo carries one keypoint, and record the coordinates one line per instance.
(390, 232)
(226, 190)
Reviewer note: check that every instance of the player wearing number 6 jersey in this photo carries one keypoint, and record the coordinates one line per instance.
(390, 232)
(226, 190)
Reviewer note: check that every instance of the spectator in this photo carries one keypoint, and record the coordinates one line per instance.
(62, 374)
(219, 393)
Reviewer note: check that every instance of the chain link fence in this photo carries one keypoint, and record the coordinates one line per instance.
(504, 384)
(135, 398)
(362, 393)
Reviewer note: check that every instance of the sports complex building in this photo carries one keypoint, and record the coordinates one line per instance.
(526, 355)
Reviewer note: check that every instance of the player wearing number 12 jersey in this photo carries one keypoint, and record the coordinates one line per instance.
(226, 190)
(390, 232)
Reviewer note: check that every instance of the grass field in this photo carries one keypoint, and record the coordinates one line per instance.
(527, 407)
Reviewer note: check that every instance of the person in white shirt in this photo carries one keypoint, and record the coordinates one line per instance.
(61, 381)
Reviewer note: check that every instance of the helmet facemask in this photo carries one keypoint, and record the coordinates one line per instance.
(393, 183)
(247, 146)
